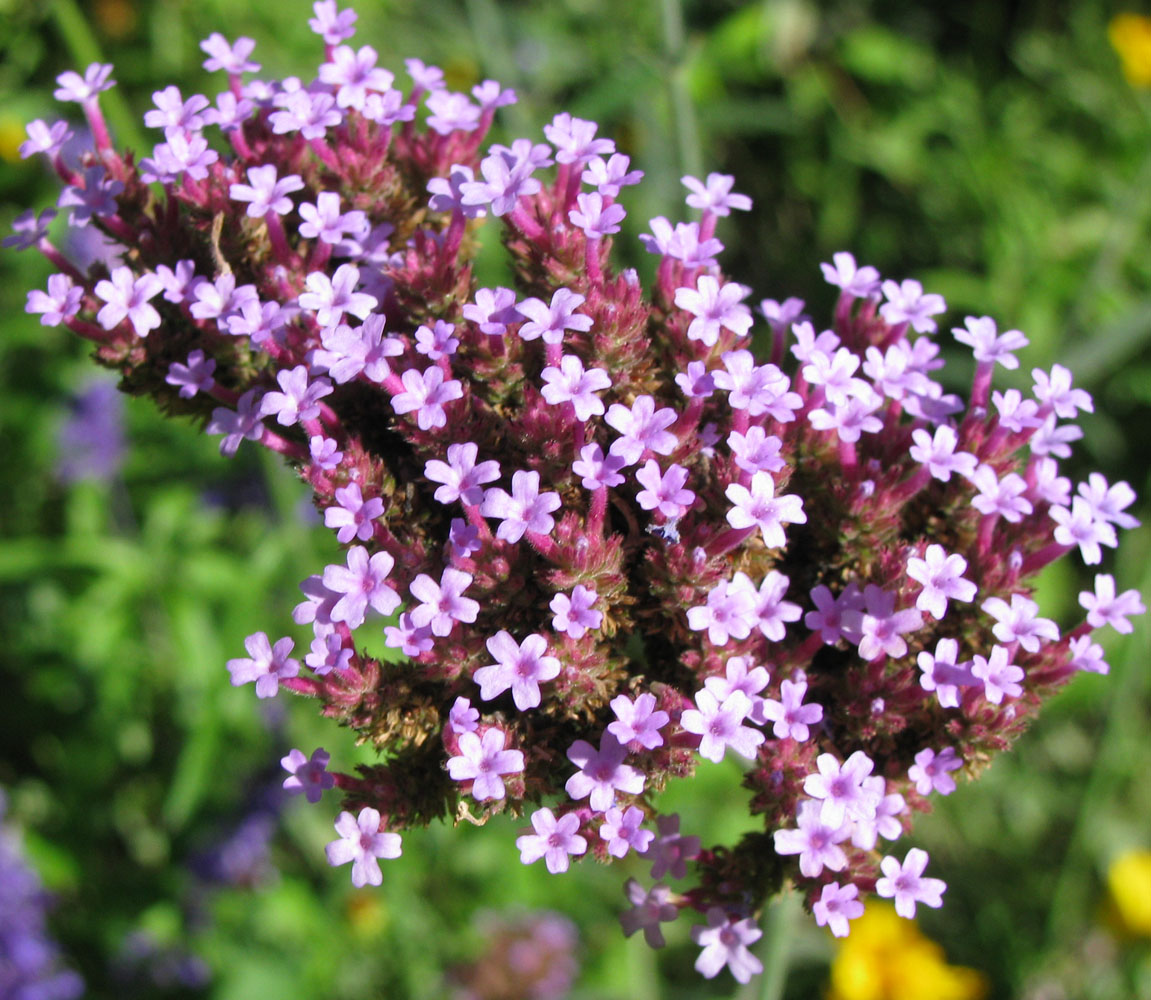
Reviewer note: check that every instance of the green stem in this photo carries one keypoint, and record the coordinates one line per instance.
(684, 118)
(1072, 888)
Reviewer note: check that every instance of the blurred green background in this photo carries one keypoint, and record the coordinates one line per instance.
(995, 151)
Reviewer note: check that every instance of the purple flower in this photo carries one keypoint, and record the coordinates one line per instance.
(720, 724)
(816, 843)
(724, 941)
(943, 675)
(461, 477)
(324, 452)
(353, 73)
(127, 296)
(331, 297)
(1001, 497)
(505, 182)
(571, 384)
(759, 507)
(729, 612)
(714, 308)
(790, 716)
(361, 843)
(664, 491)
(482, 761)
(463, 718)
(265, 193)
(759, 389)
(330, 24)
(437, 342)
(424, 77)
(298, 400)
(325, 222)
(173, 114)
(442, 604)
(906, 303)
(91, 440)
(408, 637)
(681, 243)
(715, 196)
(550, 321)
(426, 392)
(361, 583)
(463, 538)
(574, 615)
(44, 138)
(554, 840)
(525, 509)
(1104, 608)
(519, 667)
(307, 775)
(351, 515)
(349, 352)
(492, 96)
(609, 176)
(906, 885)
(671, 850)
(1000, 678)
(452, 112)
(493, 310)
(193, 377)
(61, 302)
(1082, 526)
(988, 345)
(230, 58)
(28, 229)
(836, 906)
(265, 664)
(879, 625)
(1107, 503)
(942, 578)
(95, 199)
(833, 617)
(858, 282)
(596, 219)
(841, 788)
(756, 451)
(650, 908)
(574, 139)
(1019, 622)
(221, 297)
(622, 831)
(642, 428)
(243, 422)
(74, 87)
(328, 653)
(930, 772)
(447, 193)
(637, 722)
(1056, 395)
(601, 772)
(1087, 655)
(309, 114)
(598, 471)
(939, 455)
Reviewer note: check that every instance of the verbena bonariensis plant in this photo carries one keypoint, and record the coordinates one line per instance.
(589, 502)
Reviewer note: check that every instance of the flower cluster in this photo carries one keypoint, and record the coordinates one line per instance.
(30, 966)
(601, 539)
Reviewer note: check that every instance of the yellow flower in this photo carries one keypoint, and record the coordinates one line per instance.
(1130, 36)
(1129, 879)
(11, 137)
(887, 958)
